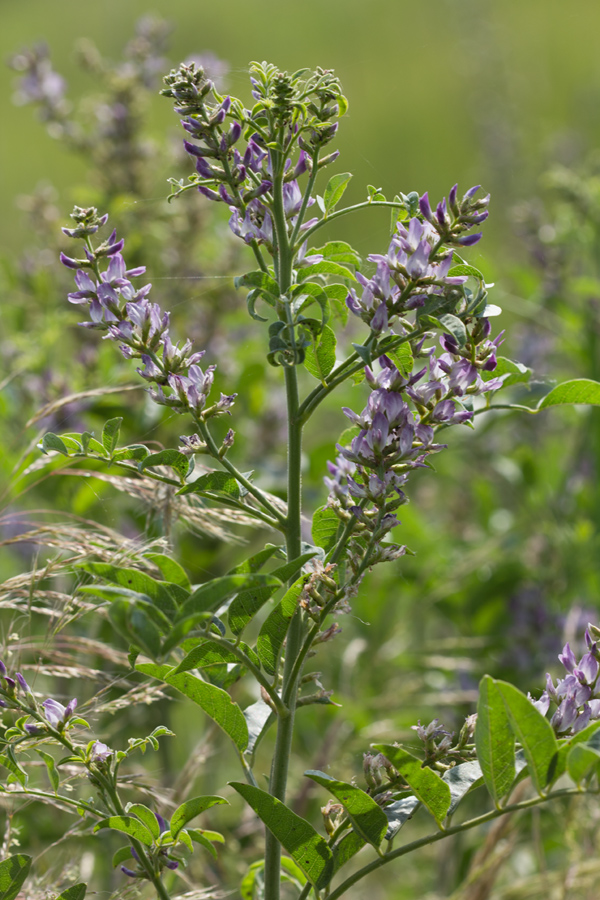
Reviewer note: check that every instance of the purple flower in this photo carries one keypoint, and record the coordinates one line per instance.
(565, 715)
(162, 823)
(23, 684)
(100, 752)
(568, 658)
(57, 714)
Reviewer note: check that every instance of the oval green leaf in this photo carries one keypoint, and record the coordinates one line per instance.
(127, 825)
(215, 702)
(190, 809)
(272, 634)
(581, 760)
(307, 848)
(580, 390)
(433, 793)
(494, 741)
(367, 817)
(13, 872)
(535, 734)
(76, 892)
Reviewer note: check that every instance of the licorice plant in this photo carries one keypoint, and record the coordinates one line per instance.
(429, 361)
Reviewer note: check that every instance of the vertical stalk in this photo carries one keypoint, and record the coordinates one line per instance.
(285, 726)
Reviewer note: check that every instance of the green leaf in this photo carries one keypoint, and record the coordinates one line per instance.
(71, 442)
(185, 839)
(325, 526)
(9, 761)
(249, 880)
(292, 872)
(110, 434)
(198, 836)
(244, 607)
(582, 758)
(171, 570)
(364, 353)
(215, 482)
(290, 569)
(307, 848)
(53, 442)
(134, 451)
(190, 809)
(77, 892)
(173, 458)
(160, 592)
(320, 356)
(274, 629)
(209, 596)
(535, 734)
(215, 702)
(141, 628)
(339, 251)
(209, 653)
(127, 825)
(257, 715)
(398, 813)
(325, 268)
(337, 294)
(51, 769)
(463, 269)
(147, 817)
(367, 817)
(580, 390)
(433, 793)
(402, 358)
(13, 872)
(343, 851)
(461, 779)
(516, 372)
(456, 328)
(494, 740)
(261, 280)
(121, 855)
(256, 562)
(334, 190)
(590, 734)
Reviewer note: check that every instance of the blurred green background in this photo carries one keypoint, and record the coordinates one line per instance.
(440, 91)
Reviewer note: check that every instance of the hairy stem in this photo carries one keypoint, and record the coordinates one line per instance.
(285, 726)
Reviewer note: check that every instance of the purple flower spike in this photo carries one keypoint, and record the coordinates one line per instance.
(2, 669)
(452, 196)
(129, 872)
(172, 864)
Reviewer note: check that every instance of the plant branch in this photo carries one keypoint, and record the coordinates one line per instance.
(439, 835)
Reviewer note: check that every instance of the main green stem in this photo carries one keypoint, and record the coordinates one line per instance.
(285, 726)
